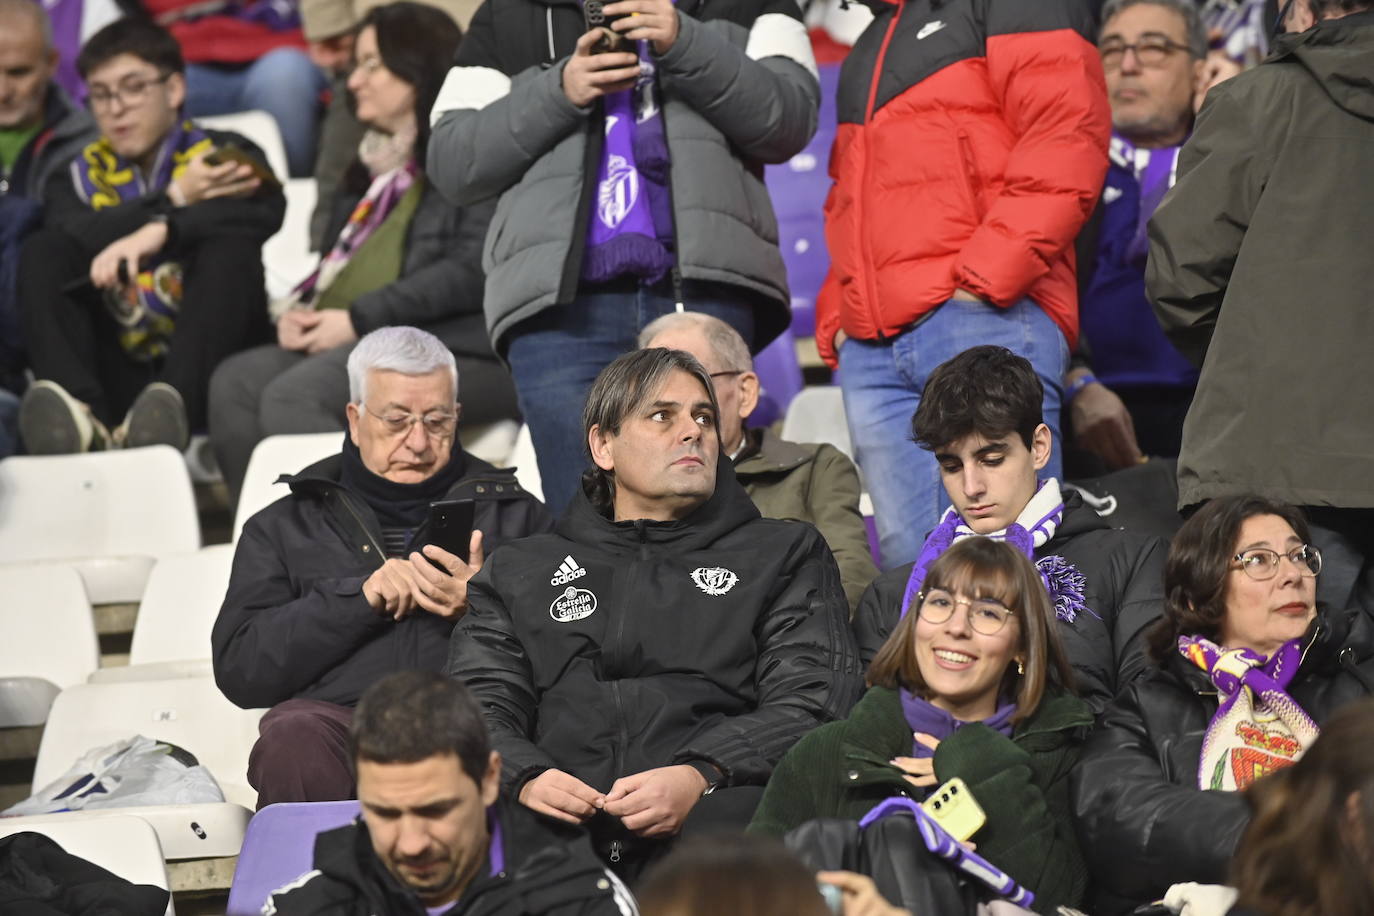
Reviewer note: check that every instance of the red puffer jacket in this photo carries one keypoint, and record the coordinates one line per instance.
(971, 148)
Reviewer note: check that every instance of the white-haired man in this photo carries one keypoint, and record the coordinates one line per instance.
(811, 482)
(332, 586)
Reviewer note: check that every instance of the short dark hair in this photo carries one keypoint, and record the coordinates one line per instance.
(417, 43)
(411, 716)
(1195, 574)
(730, 873)
(989, 569)
(134, 35)
(622, 388)
(985, 390)
(1187, 10)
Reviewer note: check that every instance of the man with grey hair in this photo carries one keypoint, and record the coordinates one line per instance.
(338, 583)
(1128, 392)
(644, 667)
(814, 483)
(40, 132)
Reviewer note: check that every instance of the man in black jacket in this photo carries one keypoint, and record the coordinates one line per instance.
(649, 662)
(434, 835)
(980, 415)
(148, 269)
(333, 586)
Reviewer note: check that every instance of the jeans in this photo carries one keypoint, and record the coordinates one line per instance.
(284, 83)
(882, 383)
(556, 355)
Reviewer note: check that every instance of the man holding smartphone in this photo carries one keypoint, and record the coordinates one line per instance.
(343, 581)
(630, 181)
(148, 269)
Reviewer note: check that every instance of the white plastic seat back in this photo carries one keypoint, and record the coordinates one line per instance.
(492, 442)
(179, 606)
(123, 845)
(816, 414)
(286, 256)
(47, 640)
(106, 513)
(188, 712)
(526, 465)
(273, 457)
(259, 127)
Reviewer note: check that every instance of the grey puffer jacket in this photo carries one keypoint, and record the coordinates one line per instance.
(739, 89)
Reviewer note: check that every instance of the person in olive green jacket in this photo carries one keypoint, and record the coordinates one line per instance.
(816, 483)
(976, 676)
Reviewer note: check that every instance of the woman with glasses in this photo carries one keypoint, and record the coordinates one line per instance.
(398, 254)
(1247, 670)
(973, 684)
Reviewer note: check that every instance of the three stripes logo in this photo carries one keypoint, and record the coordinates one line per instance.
(567, 571)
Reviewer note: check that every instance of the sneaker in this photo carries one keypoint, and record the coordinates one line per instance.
(157, 417)
(52, 422)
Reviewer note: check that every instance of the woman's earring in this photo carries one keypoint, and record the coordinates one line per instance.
(1020, 667)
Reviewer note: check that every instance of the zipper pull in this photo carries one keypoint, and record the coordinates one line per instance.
(681, 306)
(614, 855)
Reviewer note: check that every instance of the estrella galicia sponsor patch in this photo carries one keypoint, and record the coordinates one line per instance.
(714, 580)
(573, 604)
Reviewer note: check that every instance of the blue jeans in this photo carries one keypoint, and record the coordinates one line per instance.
(882, 383)
(284, 83)
(556, 355)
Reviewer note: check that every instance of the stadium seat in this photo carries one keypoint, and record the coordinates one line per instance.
(123, 845)
(47, 640)
(526, 466)
(279, 847)
(492, 442)
(188, 712)
(172, 632)
(259, 127)
(816, 414)
(273, 457)
(108, 514)
(286, 256)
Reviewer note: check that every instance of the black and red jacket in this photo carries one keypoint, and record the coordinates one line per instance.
(971, 148)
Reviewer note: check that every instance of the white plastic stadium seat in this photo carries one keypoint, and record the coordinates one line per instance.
(188, 712)
(525, 464)
(286, 256)
(123, 845)
(108, 514)
(47, 640)
(816, 414)
(492, 442)
(259, 127)
(273, 457)
(178, 610)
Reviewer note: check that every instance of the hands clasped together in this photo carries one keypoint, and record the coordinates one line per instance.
(653, 803)
(402, 585)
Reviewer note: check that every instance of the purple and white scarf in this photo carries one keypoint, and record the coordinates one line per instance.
(1033, 528)
(1155, 171)
(631, 223)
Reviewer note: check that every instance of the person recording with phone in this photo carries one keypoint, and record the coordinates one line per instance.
(344, 580)
(628, 181)
(148, 268)
(972, 684)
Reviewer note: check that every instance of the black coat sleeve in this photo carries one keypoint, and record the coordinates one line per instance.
(878, 612)
(1140, 831)
(807, 672)
(275, 636)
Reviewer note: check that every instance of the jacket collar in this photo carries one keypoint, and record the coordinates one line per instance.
(767, 454)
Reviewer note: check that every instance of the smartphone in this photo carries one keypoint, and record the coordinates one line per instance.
(594, 14)
(449, 526)
(955, 809)
(231, 153)
(833, 896)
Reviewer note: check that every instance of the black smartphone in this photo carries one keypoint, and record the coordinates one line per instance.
(594, 14)
(449, 526)
(231, 153)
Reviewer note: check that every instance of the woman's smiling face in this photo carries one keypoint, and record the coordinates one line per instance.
(963, 668)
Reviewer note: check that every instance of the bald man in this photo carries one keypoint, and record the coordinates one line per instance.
(810, 482)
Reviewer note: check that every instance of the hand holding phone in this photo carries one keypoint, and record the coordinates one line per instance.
(955, 809)
(449, 526)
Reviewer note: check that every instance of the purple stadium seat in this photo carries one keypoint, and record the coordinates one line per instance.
(280, 847)
(780, 379)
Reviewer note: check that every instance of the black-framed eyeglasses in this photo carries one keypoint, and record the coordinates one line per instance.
(131, 91)
(985, 615)
(1151, 51)
(436, 425)
(1261, 563)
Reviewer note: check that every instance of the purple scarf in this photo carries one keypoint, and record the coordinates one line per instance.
(631, 221)
(1155, 171)
(927, 718)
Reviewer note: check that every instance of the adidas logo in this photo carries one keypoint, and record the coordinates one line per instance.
(568, 570)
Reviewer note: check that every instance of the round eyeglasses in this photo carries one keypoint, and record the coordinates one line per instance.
(984, 615)
(436, 425)
(1262, 563)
